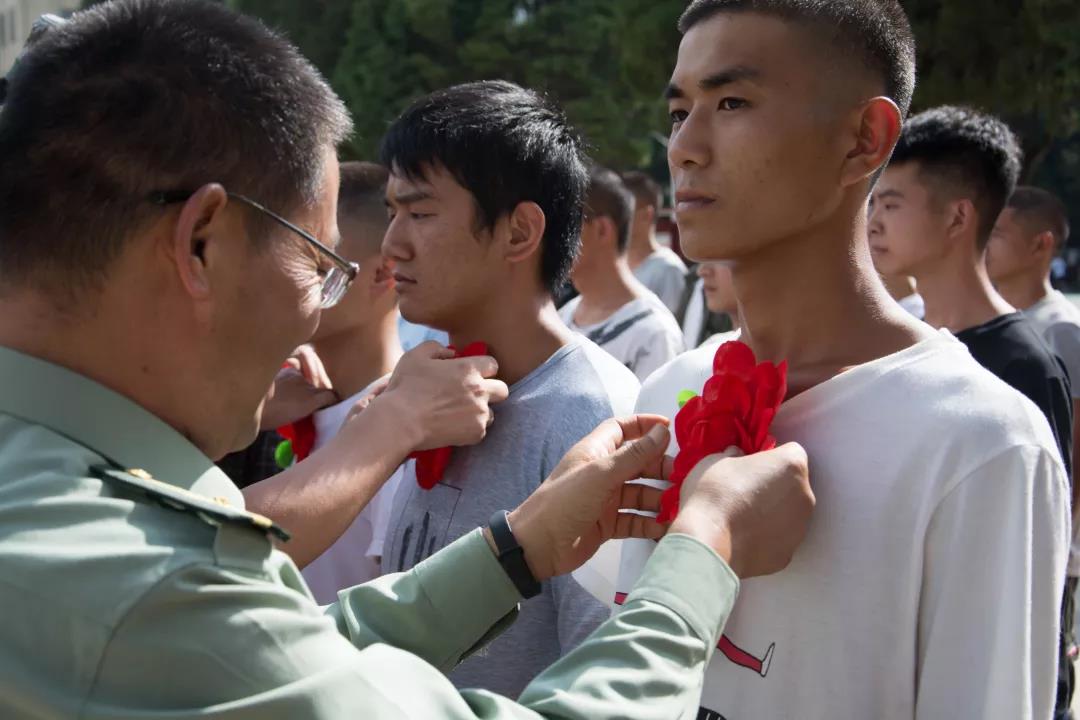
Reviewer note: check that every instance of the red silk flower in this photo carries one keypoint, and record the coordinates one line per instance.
(431, 464)
(735, 409)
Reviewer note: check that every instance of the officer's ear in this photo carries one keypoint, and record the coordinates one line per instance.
(194, 252)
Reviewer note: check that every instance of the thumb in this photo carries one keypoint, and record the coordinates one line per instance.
(322, 399)
(635, 458)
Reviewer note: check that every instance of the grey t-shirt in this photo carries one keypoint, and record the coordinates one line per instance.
(664, 273)
(1058, 322)
(547, 412)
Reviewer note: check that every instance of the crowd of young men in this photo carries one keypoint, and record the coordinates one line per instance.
(935, 577)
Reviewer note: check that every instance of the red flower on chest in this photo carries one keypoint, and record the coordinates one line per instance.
(735, 409)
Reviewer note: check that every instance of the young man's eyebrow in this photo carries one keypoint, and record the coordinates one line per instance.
(715, 80)
(889, 194)
(409, 197)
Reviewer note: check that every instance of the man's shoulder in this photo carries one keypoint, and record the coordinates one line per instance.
(588, 385)
(667, 258)
(689, 371)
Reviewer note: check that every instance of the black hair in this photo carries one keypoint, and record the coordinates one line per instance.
(646, 190)
(609, 197)
(505, 145)
(362, 191)
(876, 33)
(961, 150)
(1042, 210)
(133, 97)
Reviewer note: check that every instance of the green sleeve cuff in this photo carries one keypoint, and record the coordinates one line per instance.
(688, 577)
(471, 593)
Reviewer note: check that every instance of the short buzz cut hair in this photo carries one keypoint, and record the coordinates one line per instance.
(1042, 211)
(609, 197)
(362, 199)
(135, 97)
(963, 152)
(506, 145)
(875, 33)
(646, 190)
(362, 192)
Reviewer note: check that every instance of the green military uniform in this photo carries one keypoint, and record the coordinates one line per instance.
(133, 585)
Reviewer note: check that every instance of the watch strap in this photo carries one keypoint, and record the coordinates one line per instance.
(511, 556)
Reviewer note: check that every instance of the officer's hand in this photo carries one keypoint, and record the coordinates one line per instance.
(442, 401)
(754, 511)
(564, 522)
(299, 389)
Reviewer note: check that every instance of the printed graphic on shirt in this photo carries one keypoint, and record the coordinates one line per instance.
(429, 531)
(733, 652)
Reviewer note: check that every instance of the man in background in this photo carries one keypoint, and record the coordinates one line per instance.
(357, 342)
(614, 309)
(656, 266)
(935, 208)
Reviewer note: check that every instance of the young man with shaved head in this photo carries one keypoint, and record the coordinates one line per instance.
(930, 582)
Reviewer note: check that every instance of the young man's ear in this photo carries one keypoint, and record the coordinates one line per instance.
(1045, 244)
(874, 132)
(195, 243)
(526, 231)
(962, 218)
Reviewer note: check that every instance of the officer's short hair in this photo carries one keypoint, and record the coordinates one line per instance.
(133, 97)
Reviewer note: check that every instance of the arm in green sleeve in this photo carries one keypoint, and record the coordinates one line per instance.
(443, 609)
(242, 647)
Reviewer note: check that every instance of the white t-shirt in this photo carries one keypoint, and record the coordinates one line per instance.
(1058, 322)
(642, 334)
(354, 558)
(930, 581)
(914, 304)
(664, 273)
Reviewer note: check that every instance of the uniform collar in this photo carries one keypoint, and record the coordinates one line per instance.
(108, 423)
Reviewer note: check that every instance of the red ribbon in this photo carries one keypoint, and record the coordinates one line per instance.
(431, 464)
(735, 409)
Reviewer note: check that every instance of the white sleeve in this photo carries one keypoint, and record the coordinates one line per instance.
(993, 575)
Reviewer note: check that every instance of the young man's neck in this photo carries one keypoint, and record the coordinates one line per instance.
(1023, 291)
(642, 245)
(604, 291)
(958, 293)
(521, 333)
(356, 358)
(816, 301)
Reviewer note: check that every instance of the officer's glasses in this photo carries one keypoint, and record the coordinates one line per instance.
(334, 283)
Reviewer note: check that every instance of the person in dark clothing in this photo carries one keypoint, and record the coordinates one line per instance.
(932, 214)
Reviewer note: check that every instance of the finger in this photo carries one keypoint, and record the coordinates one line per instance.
(431, 350)
(667, 466)
(486, 365)
(633, 458)
(636, 426)
(496, 390)
(614, 432)
(312, 367)
(323, 399)
(638, 526)
(293, 363)
(640, 497)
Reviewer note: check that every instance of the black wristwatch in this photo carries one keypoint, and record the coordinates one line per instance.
(512, 556)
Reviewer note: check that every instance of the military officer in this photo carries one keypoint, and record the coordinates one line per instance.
(167, 224)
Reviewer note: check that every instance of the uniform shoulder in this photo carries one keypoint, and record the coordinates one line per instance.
(213, 511)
